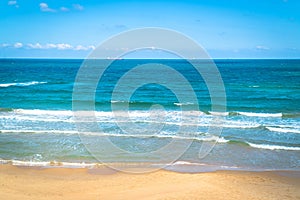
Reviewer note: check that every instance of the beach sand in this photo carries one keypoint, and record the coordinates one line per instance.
(61, 183)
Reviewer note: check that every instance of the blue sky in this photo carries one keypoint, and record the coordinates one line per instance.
(226, 29)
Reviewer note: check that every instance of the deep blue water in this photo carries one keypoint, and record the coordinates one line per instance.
(261, 125)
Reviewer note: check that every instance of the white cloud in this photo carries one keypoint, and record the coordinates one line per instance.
(64, 9)
(5, 45)
(35, 46)
(84, 48)
(39, 46)
(58, 46)
(63, 46)
(50, 46)
(80, 47)
(78, 7)
(11, 3)
(259, 47)
(45, 8)
(92, 47)
(18, 45)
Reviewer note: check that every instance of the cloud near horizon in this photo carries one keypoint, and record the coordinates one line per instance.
(18, 45)
(58, 46)
(260, 47)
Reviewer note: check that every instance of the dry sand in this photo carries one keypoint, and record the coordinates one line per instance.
(59, 183)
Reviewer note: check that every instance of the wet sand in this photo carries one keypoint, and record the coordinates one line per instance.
(61, 183)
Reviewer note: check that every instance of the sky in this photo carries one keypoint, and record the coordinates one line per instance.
(224, 28)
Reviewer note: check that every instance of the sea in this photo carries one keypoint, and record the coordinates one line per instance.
(148, 121)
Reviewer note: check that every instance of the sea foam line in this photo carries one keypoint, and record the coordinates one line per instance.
(282, 130)
(102, 134)
(49, 163)
(250, 114)
(203, 139)
(109, 119)
(24, 84)
(143, 113)
(95, 165)
(273, 147)
(39, 131)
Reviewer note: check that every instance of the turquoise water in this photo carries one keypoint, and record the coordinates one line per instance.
(261, 128)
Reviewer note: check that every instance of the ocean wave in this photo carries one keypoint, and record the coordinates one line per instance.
(132, 113)
(282, 130)
(254, 114)
(242, 126)
(40, 131)
(50, 164)
(44, 112)
(254, 86)
(264, 146)
(204, 123)
(219, 113)
(164, 134)
(24, 84)
(95, 165)
(201, 167)
(116, 101)
(273, 147)
(40, 119)
(251, 114)
(248, 114)
(184, 104)
(177, 118)
(146, 112)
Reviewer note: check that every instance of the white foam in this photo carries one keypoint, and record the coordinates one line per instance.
(241, 125)
(30, 118)
(219, 113)
(104, 134)
(28, 163)
(294, 125)
(250, 114)
(185, 118)
(212, 139)
(107, 114)
(137, 113)
(283, 130)
(254, 86)
(183, 104)
(185, 163)
(48, 164)
(44, 112)
(39, 131)
(21, 84)
(177, 118)
(273, 147)
(118, 101)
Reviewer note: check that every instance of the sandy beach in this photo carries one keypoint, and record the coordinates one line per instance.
(61, 183)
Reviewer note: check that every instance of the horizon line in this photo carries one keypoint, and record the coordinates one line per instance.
(68, 58)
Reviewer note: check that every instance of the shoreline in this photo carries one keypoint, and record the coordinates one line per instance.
(82, 183)
(139, 167)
